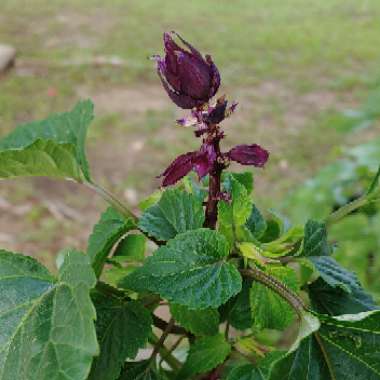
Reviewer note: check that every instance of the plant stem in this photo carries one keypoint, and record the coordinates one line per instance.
(163, 325)
(173, 362)
(211, 213)
(119, 206)
(113, 201)
(161, 341)
(346, 209)
(172, 348)
(277, 286)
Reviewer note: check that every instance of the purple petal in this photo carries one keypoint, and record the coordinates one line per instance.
(249, 155)
(181, 166)
(187, 121)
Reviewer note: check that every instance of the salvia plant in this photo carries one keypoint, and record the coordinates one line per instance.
(247, 295)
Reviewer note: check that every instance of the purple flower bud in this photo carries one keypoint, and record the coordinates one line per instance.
(189, 79)
(249, 155)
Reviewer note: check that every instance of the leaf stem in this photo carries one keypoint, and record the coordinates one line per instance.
(119, 206)
(163, 325)
(172, 348)
(113, 201)
(162, 339)
(346, 209)
(159, 347)
(278, 287)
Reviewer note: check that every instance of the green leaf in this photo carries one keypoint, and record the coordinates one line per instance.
(122, 328)
(256, 223)
(204, 355)
(47, 325)
(247, 371)
(132, 247)
(54, 147)
(190, 270)
(335, 301)
(176, 212)
(338, 291)
(143, 370)
(344, 346)
(150, 200)
(315, 240)
(277, 225)
(234, 214)
(333, 274)
(288, 243)
(245, 178)
(198, 322)
(238, 309)
(269, 310)
(110, 228)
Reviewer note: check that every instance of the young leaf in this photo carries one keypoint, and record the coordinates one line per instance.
(122, 328)
(176, 212)
(204, 355)
(47, 325)
(110, 228)
(256, 223)
(338, 291)
(54, 147)
(245, 178)
(315, 240)
(198, 322)
(269, 310)
(233, 215)
(190, 270)
(344, 346)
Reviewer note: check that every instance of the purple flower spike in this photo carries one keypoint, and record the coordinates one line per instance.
(249, 155)
(188, 78)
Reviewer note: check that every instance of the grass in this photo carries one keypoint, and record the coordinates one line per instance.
(292, 65)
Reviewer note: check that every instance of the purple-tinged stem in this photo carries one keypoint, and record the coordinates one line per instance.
(211, 213)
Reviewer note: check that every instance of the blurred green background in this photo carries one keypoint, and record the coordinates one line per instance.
(297, 68)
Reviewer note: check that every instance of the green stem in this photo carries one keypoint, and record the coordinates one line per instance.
(173, 362)
(346, 209)
(113, 201)
(119, 206)
(278, 287)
